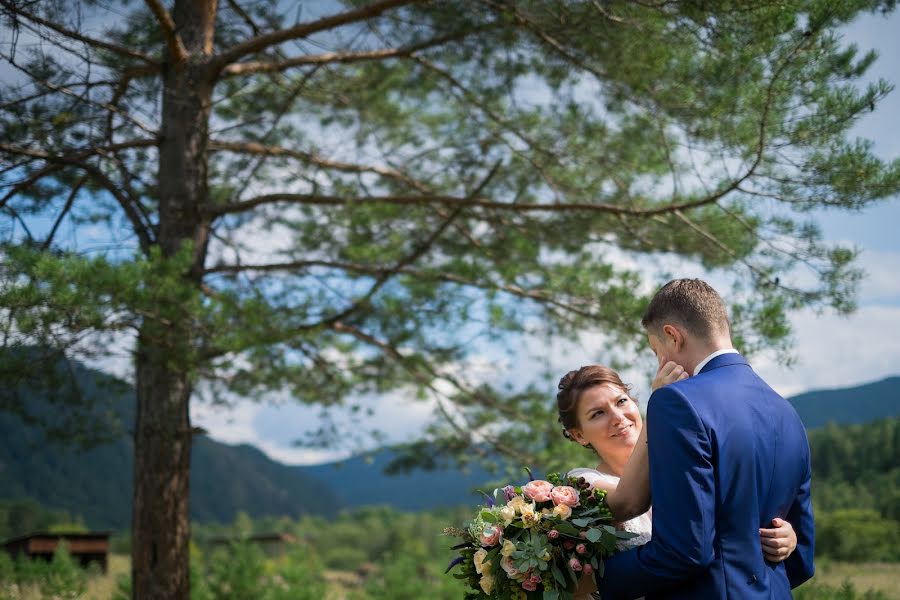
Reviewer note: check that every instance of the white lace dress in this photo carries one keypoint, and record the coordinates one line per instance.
(641, 525)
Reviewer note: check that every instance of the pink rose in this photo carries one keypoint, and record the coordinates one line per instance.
(588, 569)
(491, 535)
(581, 549)
(575, 564)
(563, 494)
(529, 585)
(538, 490)
(553, 534)
(535, 578)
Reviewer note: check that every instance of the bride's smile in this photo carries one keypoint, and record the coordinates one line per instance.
(610, 421)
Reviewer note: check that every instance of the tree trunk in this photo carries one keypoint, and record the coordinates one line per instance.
(161, 519)
(162, 460)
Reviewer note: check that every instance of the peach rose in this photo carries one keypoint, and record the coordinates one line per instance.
(538, 490)
(487, 583)
(481, 567)
(563, 511)
(516, 503)
(529, 585)
(563, 494)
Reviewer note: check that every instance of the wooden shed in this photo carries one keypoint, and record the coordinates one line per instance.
(86, 548)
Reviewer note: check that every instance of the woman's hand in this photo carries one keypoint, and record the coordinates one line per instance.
(779, 542)
(669, 372)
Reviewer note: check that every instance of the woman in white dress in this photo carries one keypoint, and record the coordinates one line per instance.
(597, 411)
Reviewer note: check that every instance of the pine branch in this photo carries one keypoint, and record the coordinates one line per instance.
(78, 160)
(67, 92)
(65, 210)
(173, 40)
(301, 30)
(306, 157)
(247, 68)
(538, 295)
(453, 201)
(16, 11)
(425, 374)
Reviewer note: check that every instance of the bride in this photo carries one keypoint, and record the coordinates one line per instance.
(597, 411)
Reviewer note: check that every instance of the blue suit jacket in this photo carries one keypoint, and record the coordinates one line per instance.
(727, 455)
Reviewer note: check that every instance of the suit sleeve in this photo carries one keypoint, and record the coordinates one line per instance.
(799, 565)
(683, 489)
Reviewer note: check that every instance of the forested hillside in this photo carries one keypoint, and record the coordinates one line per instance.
(851, 405)
(855, 467)
(95, 484)
(856, 490)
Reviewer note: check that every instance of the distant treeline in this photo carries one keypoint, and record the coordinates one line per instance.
(856, 490)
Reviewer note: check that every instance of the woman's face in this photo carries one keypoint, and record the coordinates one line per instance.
(607, 419)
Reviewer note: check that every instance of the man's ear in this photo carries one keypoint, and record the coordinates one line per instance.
(675, 335)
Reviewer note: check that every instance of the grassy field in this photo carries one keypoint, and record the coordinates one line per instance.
(878, 577)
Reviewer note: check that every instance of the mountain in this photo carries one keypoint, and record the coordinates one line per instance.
(96, 483)
(851, 405)
(361, 480)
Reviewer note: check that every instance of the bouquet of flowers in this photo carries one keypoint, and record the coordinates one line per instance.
(535, 541)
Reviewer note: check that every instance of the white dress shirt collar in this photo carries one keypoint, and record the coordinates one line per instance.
(703, 362)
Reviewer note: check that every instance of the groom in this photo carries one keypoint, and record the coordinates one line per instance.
(726, 454)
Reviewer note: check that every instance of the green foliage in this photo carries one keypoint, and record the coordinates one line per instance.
(856, 490)
(60, 577)
(815, 591)
(857, 466)
(410, 576)
(19, 517)
(855, 535)
(242, 571)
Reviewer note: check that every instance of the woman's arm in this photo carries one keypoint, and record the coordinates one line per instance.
(632, 496)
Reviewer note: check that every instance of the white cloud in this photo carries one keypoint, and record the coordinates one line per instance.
(882, 283)
(839, 352)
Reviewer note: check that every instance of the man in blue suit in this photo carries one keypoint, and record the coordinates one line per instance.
(727, 453)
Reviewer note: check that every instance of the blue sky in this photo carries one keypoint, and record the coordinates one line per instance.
(832, 351)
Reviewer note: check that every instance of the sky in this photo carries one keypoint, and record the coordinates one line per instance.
(831, 351)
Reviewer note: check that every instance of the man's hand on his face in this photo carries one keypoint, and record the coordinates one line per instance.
(669, 372)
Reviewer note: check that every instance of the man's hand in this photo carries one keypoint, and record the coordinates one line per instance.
(669, 372)
(779, 542)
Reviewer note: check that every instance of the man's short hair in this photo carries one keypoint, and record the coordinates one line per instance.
(691, 303)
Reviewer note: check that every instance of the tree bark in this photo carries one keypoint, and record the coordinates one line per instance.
(161, 519)
(162, 460)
